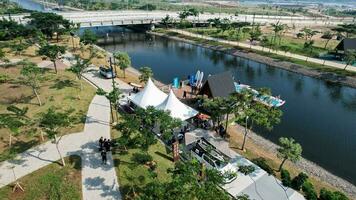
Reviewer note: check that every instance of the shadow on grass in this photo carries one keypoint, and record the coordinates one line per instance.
(61, 84)
(16, 148)
(75, 161)
(164, 156)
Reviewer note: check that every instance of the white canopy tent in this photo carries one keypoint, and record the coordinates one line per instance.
(149, 96)
(177, 108)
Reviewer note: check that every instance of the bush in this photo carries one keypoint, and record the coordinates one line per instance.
(329, 195)
(299, 180)
(286, 180)
(246, 169)
(309, 191)
(4, 78)
(141, 158)
(261, 162)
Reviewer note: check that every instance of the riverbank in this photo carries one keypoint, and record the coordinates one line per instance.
(276, 61)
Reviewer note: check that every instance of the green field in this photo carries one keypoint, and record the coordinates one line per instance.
(50, 182)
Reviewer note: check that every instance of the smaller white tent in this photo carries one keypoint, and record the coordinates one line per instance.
(149, 96)
(177, 108)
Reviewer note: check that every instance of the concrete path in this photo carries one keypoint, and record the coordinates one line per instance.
(98, 181)
(265, 49)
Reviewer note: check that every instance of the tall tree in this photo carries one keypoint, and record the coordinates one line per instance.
(146, 73)
(255, 113)
(308, 45)
(79, 68)
(123, 60)
(309, 33)
(14, 120)
(52, 52)
(288, 150)
(166, 21)
(51, 121)
(189, 181)
(49, 23)
(328, 35)
(277, 29)
(350, 58)
(31, 77)
(216, 107)
(88, 37)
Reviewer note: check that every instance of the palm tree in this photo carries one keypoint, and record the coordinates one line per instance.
(123, 60)
(277, 28)
(146, 73)
(308, 45)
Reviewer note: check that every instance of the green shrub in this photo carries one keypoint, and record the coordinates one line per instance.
(261, 162)
(246, 169)
(309, 191)
(329, 195)
(141, 158)
(299, 180)
(286, 179)
(4, 78)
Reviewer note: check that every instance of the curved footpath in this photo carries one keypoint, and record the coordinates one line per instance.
(98, 181)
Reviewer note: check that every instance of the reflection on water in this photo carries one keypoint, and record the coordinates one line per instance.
(318, 115)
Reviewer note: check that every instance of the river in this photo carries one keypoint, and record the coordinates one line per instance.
(318, 115)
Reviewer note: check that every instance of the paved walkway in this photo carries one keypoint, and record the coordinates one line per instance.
(264, 49)
(98, 181)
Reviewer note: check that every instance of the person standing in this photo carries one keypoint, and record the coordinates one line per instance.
(103, 157)
(107, 145)
(101, 141)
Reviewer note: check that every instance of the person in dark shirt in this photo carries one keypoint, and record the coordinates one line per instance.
(103, 157)
(101, 141)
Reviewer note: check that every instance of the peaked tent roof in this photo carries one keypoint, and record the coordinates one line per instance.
(347, 44)
(149, 96)
(177, 108)
(218, 85)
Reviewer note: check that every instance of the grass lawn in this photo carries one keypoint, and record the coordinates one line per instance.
(130, 173)
(50, 182)
(61, 91)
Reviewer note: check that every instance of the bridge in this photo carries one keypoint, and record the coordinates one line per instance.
(122, 18)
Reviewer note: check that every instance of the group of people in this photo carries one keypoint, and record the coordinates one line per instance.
(104, 147)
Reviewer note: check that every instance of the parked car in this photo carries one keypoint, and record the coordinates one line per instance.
(206, 153)
(106, 72)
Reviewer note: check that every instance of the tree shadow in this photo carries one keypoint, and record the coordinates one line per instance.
(76, 161)
(164, 156)
(21, 99)
(16, 148)
(61, 84)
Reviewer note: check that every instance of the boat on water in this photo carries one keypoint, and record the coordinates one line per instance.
(265, 99)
